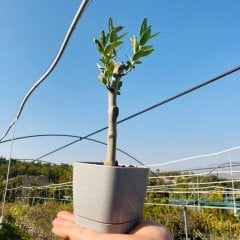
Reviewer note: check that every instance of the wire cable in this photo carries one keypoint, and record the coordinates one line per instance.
(2, 218)
(183, 93)
(54, 63)
(72, 136)
(194, 157)
(218, 77)
(34, 87)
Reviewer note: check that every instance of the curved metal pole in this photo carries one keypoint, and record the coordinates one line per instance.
(52, 66)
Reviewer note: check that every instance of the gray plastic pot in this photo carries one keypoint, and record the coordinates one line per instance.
(108, 199)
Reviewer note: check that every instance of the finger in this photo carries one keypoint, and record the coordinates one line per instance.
(66, 215)
(62, 222)
(58, 231)
(152, 228)
(66, 232)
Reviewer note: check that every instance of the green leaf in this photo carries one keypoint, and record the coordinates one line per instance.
(138, 62)
(148, 47)
(145, 36)
(137, 55)
(118, 28)
(154, 35)
(103, 38)
(114, 53)
(110, 25)
(119, 85)
(143, 26)
(102, 60)
(113, 36)
(98, 45)
(107, 36)
(110, 68)
(147, 52)
(141, 53)
(113, 33)
(102, 78)
(121, 36)
(112, 46)
(109, 72)
(135, 44)
(104, 81)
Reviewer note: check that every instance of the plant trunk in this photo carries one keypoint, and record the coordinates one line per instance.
(112, 129)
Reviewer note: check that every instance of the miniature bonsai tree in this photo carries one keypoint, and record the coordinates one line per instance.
(111, 72)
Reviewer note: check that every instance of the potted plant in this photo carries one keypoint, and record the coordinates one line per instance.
(108, 197)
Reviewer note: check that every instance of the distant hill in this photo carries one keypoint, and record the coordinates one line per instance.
(30, 173)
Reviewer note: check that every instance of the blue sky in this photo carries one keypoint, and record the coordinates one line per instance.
(198, 40)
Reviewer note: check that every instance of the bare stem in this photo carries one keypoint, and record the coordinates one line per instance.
(112, 129)
(112, 115)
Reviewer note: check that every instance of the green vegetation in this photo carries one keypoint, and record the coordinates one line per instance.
(216, 224)
(32, 174)
(9, 232)
(54, 173)
(35, 220)
(27, 219)
(174, 187)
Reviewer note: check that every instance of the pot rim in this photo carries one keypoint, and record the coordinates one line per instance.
(100, 164)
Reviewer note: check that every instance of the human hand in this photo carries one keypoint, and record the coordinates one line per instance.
(64, 226)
